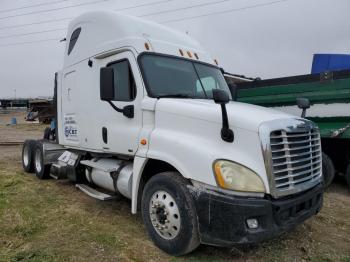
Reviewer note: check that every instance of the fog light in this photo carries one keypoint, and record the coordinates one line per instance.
(252, 223)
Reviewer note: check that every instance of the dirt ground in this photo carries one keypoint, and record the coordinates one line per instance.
(53, 221)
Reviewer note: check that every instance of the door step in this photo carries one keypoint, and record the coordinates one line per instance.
(94, 193)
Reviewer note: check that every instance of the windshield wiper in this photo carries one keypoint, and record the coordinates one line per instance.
(175, 96)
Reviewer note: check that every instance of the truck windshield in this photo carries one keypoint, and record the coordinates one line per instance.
(179, 78)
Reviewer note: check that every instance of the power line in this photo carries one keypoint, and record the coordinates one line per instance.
(54, 9)
(120, 9)
(31, 42)
(35, 23)
(33, 33)
(57, 29)
(143, 5)
(68, 18)
(30, 6)
(176, 20)
(222, 12)
(184, 8)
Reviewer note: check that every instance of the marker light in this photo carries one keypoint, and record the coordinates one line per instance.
(147, 46)
(189, 54)
(181, 52)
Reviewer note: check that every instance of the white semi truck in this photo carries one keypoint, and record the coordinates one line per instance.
(143, 111)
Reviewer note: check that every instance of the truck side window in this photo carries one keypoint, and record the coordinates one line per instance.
(124, 83)
(73, 39)
(208, 83)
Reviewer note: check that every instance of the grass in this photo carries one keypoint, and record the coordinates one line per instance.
(52, 221)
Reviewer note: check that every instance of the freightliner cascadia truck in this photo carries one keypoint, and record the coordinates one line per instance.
(144, 112)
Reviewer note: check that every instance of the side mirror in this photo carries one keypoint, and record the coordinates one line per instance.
(303, 103)
(107, 92)
(107, 84)
(220, 96)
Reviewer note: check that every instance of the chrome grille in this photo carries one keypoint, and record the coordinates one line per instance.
(296, 158)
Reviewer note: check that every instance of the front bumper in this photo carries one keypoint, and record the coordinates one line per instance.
(222, 218)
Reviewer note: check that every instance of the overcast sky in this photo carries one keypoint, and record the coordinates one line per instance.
(246, 36)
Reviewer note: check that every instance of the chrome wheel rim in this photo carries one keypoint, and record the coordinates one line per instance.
(165, 215)
(26, 155)
(38, 166)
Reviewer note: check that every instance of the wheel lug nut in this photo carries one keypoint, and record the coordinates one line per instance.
(166, 221)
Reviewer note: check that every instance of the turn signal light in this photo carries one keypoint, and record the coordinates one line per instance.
(143, 142)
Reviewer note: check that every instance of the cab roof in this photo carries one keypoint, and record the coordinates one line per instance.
(98, 34)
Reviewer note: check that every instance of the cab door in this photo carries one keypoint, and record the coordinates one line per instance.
(120, 133)
(69, 100)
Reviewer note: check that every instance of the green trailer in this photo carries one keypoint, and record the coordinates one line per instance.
(329, 95)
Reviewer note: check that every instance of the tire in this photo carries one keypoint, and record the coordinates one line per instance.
(347, 175)
(41, 171)
(28, 155)
(181, 233)
(327, 170)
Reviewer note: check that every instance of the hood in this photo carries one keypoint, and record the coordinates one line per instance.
(240, 115)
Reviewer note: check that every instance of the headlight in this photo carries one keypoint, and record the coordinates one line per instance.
(230, 175)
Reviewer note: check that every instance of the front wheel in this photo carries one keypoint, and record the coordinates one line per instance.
(169, 214)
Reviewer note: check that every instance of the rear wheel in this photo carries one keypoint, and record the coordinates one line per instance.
(327, 170)
(169, 214)
(42, 171)
(27, 155)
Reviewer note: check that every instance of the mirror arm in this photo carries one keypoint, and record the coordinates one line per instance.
(303, 114)
(226, 133)
(303, 103)
(115, 108)
(127, 111)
